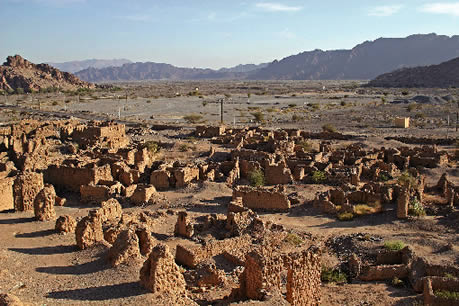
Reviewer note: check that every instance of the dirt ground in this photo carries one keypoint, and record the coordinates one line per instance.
(45, 268)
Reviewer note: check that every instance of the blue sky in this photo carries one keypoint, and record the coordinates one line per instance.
(208, 33)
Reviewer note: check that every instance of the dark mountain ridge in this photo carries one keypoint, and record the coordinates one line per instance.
(443, 75)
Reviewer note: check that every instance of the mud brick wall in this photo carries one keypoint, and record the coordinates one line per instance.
(261, 198)
(73, 178)
(303, 277)
(25, 189)
(6, 194)
(192, 256)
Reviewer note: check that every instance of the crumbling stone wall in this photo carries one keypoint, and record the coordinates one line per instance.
(6, 194)
(274, 199)
(73, 178)
(232, 248)
(279, 173)
(26, 187)
(44, 204)
(104, 134)
(183, 227)
(263, 269)
(160, 273)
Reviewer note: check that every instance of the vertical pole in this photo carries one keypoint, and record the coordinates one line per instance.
(447, 128)
(221, 111)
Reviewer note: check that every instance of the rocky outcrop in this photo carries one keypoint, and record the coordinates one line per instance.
(18, 73)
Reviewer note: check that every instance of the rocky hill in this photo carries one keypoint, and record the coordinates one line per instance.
(75, 66)
(18, 72)
(365, 61)
(442, 76)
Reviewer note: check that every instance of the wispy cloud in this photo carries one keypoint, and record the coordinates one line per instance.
(286, 34)
(384, 10)
(451, 8)
(277, 7)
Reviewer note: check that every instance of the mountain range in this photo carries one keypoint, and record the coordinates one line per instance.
(363, 62)
(75, 66)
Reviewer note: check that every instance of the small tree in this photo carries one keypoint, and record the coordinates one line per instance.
(257, 178)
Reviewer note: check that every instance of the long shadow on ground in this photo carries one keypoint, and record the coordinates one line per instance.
(101, 293)
(17, 220)
(86, 268)
(59, 249)
(37, 234)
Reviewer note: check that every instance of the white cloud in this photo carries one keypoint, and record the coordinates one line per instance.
(384, 10)
(277, 7)
(286, 34)
(451, 8)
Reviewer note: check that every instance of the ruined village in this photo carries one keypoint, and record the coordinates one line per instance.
(101, 207)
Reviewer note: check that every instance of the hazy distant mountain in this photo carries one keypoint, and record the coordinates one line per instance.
(244, 68)
(154, 71)
(365, 61)
(443, 75)
(75, 66)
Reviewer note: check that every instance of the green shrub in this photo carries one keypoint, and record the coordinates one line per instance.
(318, 177)
(293, 239)
(420, 116)
(306, 146)
(330, 275)
(296, 118)
(411, 107)
(183, 147)
(394, 245)
(406, 180)
(55, 103)
(329, 128)
(152, 146)
(397, 282)
(257, 178)
(227, 95)
(449, 276)
(204, 103)
(258, 117)
(345, 216)
(343, 103)
(193, 118)
(292, 105)
(446, 294)
(384, 177)
(416, 208)
(19, 91)
(405, 92)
